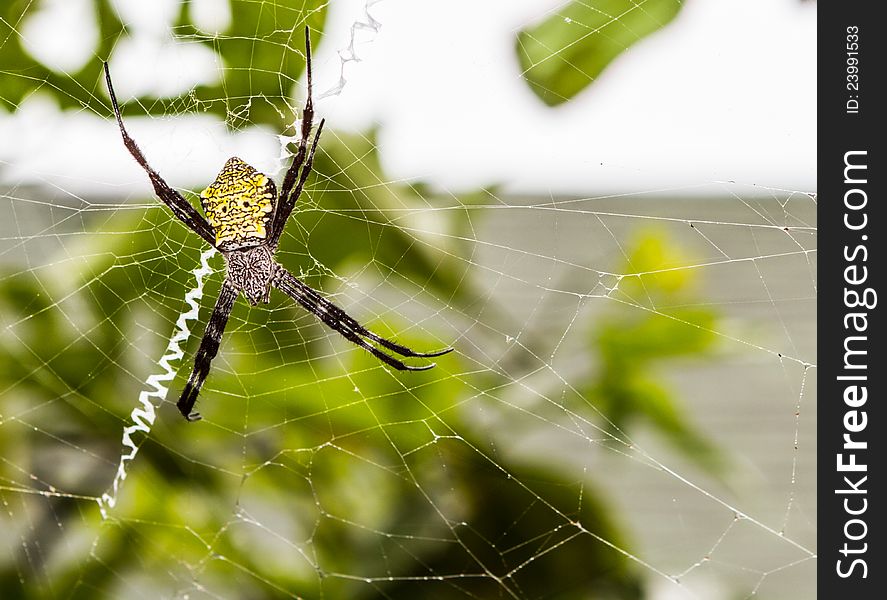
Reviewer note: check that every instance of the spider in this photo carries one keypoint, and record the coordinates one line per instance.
(244, 219)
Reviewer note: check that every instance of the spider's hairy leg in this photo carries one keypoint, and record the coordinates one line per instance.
(285, 207)
(180, 207)
(288, 195)
(307, 121)
(338, 320)
(209, 347)
(325, 306)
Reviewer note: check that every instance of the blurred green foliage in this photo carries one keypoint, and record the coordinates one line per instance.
(263, 52)
(316, 472)
(561, 55)
(635, 348)
(390, 479)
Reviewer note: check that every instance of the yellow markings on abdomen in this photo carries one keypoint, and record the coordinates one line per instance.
(238, 205)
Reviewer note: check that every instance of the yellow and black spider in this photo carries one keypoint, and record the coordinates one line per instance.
(244, 219)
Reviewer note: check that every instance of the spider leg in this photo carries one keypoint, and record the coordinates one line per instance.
(326, 306)
(285, 207)
(338, 320)
(209, 347)
(289, 196)
(307, 120)
(180, 207)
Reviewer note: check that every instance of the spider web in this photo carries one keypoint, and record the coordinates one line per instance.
(507, 471)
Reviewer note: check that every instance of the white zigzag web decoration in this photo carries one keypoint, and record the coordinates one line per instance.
(144, 414)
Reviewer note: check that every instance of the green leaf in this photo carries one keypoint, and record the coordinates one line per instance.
(262, 52)
(635, 344)
(564, 53)
(21, 74)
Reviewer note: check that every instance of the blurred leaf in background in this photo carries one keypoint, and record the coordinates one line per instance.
(263, 53)
(357, 484)
(561, 55)
(636, 342)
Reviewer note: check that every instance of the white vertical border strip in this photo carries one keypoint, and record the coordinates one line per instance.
(143, 415)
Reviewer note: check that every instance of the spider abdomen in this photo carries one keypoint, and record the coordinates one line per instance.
(251, 271)
(239, 205)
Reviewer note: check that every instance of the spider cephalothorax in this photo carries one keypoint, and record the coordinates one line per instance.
(244, 219)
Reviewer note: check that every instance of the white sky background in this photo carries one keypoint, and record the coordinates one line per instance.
(725, 92)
